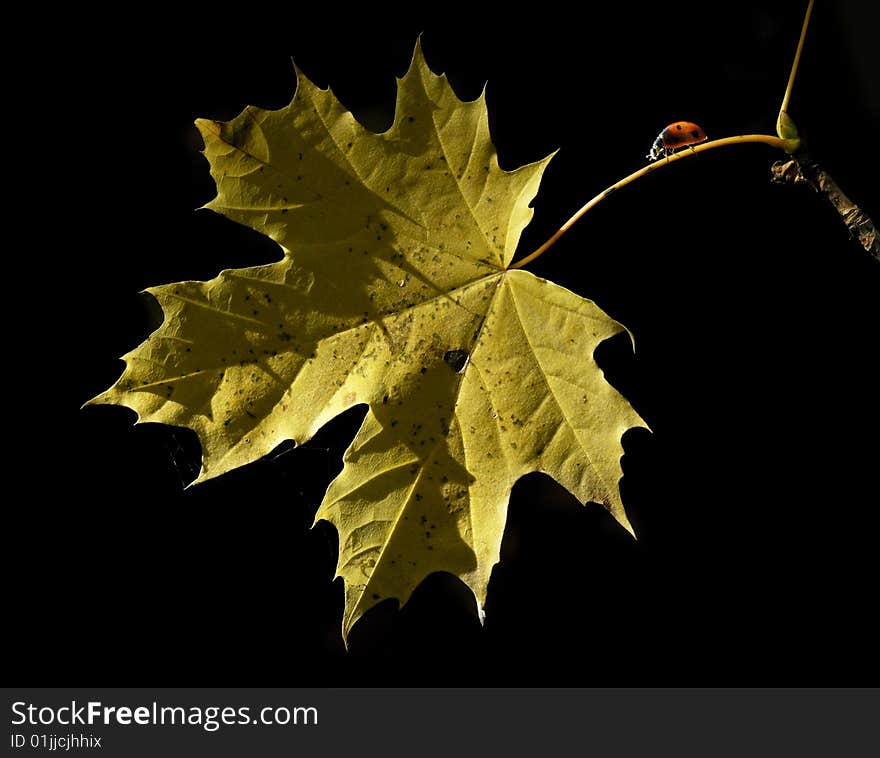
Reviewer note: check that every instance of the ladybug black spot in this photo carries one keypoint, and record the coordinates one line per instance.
(679, 127)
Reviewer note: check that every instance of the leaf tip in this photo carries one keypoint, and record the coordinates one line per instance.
(418, 56)
(297, 73)
(632, 337)
(154, 292)
(621, 518)
(203, 477)
(347, 623)
(207, 127)
(614, 506)
(96, 400)
(315, 521)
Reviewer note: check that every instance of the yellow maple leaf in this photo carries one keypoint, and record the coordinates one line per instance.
(394, 291)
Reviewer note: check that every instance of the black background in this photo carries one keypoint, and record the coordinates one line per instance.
(756, 321)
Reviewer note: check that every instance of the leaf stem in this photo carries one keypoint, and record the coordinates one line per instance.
(767, 139)
(797, 59)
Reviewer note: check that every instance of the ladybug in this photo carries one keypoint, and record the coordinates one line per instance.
(677, 134)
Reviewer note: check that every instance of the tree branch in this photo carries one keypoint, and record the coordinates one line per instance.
(801, 170)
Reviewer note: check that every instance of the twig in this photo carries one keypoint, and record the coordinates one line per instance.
(801, 170)
(797, 59)
(782, 144)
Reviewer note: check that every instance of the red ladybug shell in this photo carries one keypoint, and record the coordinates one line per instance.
(681, 133)
(677, 134)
